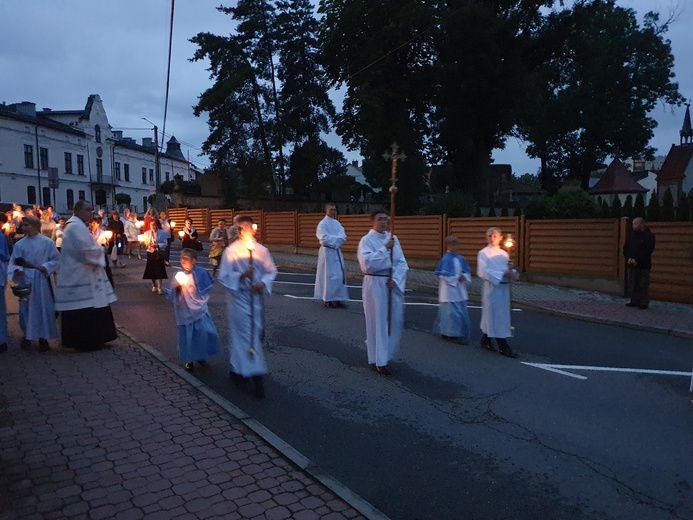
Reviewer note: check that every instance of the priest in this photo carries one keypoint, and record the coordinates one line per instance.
(330, 278)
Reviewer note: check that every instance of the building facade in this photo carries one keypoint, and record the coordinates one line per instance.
(59, 157)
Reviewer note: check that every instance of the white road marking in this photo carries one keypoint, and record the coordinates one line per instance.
(561, 369)
(414, 304)
(311, 284)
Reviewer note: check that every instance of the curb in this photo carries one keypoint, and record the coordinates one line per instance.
(298, 459)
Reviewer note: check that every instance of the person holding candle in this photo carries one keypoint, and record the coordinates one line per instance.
(219, 238)
(493, 267)
(131, 233)
(189, 291)
(330, 279)
(115, 225)
(156, 241)
(453, 274)
(83, 294)
(188, 236)
(246, 272)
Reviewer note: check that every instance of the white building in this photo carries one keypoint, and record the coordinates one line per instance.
(55, 158)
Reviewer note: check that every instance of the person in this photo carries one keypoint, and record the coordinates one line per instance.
(131, 234)
(4, 261)
(189, 237)
(149, 215)
(453, 274)
(83, 294)
(219, 238)
(197, 336)
(58, 233)
(638, 251)
(330, 278)
(155, 241)
(47, 224)
(165, 226)
(115, 225)
(233, 230)
(385, 269)
(8, 229)
(99, 236)
(493, 267)
(34, 258)
(246, 272)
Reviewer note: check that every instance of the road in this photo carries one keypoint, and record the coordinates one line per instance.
(458, 432)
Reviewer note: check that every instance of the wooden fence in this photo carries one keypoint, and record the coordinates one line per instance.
(577, 248)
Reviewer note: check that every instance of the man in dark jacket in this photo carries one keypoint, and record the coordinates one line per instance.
(638, 253)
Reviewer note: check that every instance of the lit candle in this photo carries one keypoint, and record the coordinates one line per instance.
(6, 226)
(181, 233)
(173, 224)
(509, 241)
(141, 238)
(108, 234)
(181, 278)
(254, 227)
(250, 244)
(139, 223)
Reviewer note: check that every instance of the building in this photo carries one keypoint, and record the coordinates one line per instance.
(677, 171)
(52, 157)
(616, 183)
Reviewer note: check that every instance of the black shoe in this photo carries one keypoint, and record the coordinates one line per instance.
(643, 306)
(340, 305)
(189, 367)
(25, 344)
(507, 352)
(237, 379)
(383, 370)
(3, 348)
(259, 387)
(631, 304)
(44, 346)
(488, 346)
(330, 305)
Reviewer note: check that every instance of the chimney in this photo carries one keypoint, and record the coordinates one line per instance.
(25, 107)
(117, 134)
(355, 164)
(147, 142)
(46, 109)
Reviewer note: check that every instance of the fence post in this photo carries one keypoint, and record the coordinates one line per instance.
(445, 233)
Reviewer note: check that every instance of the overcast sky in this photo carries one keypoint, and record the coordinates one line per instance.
(56, 53)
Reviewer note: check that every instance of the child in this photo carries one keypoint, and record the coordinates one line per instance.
(197, 335)
(453, 276)
(58, 233)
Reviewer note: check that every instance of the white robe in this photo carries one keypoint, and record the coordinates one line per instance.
(246, 320)
(37, 313)
(82, 282)
(374, 260)
(330, 279)
(492, 263)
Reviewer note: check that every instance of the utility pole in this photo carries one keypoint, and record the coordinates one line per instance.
(157, 177)
(39, 195)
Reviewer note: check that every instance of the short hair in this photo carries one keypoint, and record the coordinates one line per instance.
(378, 211)
(452, 240)
(638, 220)
(490, 231)
(329, 205)
(190, 253)
(32, 221)
(116, 213)
(79, 205)
(95, 220)
(243, 219)
(222, 220)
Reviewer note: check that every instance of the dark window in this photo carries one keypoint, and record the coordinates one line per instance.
(99, 168)
(151, 176)
(117, 170)
(80, 165)
(43, 152)
(168, 176)
(28, 156)
(126, 172)
(97, 133)
(68, 162)
(31, 194)
(82, 195)
(70, 198)
(144, 203)
(46, 196)
(144, 175)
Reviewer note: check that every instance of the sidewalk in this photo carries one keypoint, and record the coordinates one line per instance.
(117, 434)
(662, 317)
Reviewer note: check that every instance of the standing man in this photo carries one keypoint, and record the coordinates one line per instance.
(247, 271)
(34, 258)
(638, 251)
(494, 269)
(379, 288)
(83, 292)
(330, 279)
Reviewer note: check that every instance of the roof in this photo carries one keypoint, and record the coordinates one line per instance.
(130, 144)
(616, 179)
(674, 167)
(9, 112)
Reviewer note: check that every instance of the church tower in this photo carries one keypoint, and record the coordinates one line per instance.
(686, 131)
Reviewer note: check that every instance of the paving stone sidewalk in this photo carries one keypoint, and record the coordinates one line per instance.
(118, 434)
(662, 317)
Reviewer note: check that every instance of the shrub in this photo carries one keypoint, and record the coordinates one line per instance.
(668, 210)
(574, 203)
(454, 203)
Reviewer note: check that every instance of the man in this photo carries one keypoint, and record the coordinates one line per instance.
(247, 271)
(385, 274)
(34, 258)
(83, 292)
(494, 269)
(638, 251)
(330, 279)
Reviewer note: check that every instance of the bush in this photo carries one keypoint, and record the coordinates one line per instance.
(628, 207)
(654, 213)
(668, 211)
(539, 208)
(683, 210)
(574, 203)
(616, 208)
(639, 206)
(454, 203)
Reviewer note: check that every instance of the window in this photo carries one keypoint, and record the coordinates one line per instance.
(168, 176)
(46, 196)
(43, 152)
(80, 165)
(97, 133)
(144, 175)
(28, 156)
(144, 203)
(99, 168)
(126, 171)
(68, 162)
(117, 170)
(151, 176)
(31, 194)
(82, 195)
(70, 194)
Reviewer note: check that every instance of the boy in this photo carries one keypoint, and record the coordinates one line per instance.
(453, 276)
(189, 291)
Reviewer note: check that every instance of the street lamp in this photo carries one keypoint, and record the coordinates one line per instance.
(156, 152)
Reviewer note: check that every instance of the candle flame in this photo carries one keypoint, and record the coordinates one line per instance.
(181, 278)
(509, 241)
(254, 227)
(173, 224)
(108, 234)
(181, 234)
(139, 223)
(250, 244)
(141, 238)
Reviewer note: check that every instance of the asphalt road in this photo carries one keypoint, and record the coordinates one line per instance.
(458, 432)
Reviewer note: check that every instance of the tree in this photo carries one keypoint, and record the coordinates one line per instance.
(492, 210)
(573, 203)
(654, 213)
(668, 210)
(639, 206)
(453, 203)
(605, 210)
(628, 207)
(683, 210)
(616, 208)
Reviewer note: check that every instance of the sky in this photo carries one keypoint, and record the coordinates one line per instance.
(56, 53)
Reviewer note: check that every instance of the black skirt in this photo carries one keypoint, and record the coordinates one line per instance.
(155, 268)
(87, 329)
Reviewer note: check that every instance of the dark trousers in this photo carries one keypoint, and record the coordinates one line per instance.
(639, 286)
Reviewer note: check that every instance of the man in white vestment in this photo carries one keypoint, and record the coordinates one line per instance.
(34, 258)
(385, 275)
(83, 292)
(494, 269)
(247, 272)
(330, 278)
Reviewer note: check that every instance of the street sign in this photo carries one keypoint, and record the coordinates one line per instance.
(53, 180)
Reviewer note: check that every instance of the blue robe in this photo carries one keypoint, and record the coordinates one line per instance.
(453, 316)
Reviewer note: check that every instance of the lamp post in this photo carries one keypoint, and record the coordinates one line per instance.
(156, 153)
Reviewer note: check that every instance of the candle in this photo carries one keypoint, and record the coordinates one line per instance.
(139, 223)
(250, 244)
(181, 278)
(181, 233)
(140, 238)
(173, 224)
(109, 234)
(509, 241)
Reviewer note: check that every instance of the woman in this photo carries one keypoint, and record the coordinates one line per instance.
(100, 238)
(131, 232)
(47, 224)
(150, 215)
(155, 242)
(190, 235)
(115, 225)
(166, 228)
(219, 238)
